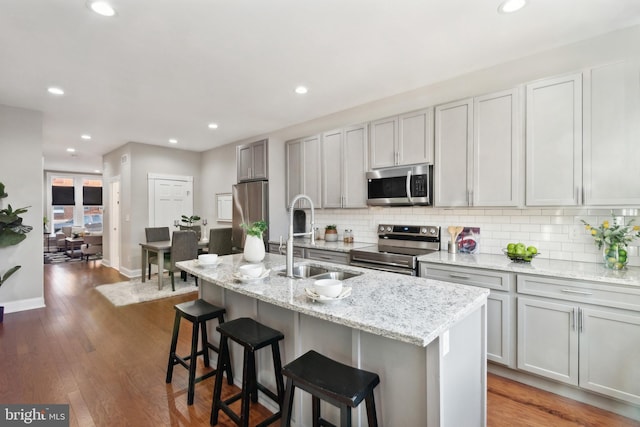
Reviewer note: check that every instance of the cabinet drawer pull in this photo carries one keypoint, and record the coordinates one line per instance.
(571, 291)
(460, 276)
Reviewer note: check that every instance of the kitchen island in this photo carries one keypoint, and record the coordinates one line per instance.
(426, 339)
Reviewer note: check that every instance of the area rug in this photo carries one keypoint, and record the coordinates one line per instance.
(134, 291)
(60, 257)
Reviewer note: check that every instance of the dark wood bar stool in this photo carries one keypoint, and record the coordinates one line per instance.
(252, 336)
(324, 378)
(197, 312)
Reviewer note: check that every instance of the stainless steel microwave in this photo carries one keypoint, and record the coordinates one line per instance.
(400, 186)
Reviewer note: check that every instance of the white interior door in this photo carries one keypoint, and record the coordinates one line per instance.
(169, 199)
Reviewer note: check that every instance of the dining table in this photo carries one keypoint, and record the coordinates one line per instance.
(161, 247)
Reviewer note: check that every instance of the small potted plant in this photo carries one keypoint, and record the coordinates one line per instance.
(189, 222)
(254, 250)
(331, 233)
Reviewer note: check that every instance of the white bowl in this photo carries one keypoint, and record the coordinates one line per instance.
(251, 270)
(207, 259)
(328, 287)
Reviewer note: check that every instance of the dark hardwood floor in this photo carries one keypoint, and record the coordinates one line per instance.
(109, 364)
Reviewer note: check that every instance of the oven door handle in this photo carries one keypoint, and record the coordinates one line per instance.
(409, 186)
(381, 267)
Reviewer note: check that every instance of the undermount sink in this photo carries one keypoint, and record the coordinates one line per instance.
(312, 271)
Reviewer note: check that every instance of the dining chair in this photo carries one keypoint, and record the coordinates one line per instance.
(220, 241)
(184, 247)
(156, 234)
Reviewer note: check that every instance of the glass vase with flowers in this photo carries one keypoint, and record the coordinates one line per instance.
(613, 239)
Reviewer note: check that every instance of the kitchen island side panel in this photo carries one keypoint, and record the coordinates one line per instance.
(413, 388)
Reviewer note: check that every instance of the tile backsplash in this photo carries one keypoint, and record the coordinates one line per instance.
(558, 233)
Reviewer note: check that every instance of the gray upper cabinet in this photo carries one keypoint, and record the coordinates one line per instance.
(252, 160)
(497, 149)
(402, 140)
(454, 156)
(478, 147)
(344, 165)
(303, 170)
(612, 134)
(554, 142)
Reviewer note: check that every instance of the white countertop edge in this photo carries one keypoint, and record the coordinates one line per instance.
(593, 272)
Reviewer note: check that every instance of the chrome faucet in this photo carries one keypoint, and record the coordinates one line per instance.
(292, 234)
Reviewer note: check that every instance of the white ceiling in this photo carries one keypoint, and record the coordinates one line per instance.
(165, 69)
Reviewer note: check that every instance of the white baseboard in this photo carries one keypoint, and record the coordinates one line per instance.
(22, 305)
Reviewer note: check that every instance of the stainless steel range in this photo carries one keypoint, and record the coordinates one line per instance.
(398, 249)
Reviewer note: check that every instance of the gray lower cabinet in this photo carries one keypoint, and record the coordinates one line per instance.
(563, 334)
(328, 256)
(500, 321)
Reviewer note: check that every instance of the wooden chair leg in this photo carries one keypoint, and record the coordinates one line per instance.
(288, 403)
(371, 410)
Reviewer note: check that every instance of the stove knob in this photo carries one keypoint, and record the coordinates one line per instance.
(388, 229)
(381, 229)
(423, 230)
(434, 231)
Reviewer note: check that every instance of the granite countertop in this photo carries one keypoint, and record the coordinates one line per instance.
(408, 309)
(338, 246)
(593, 272)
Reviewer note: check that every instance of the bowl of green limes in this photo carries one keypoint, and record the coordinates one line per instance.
(519, 252)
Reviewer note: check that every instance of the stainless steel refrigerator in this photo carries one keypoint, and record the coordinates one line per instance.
(250, 204)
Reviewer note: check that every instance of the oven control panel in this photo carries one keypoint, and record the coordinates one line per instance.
(409, 230)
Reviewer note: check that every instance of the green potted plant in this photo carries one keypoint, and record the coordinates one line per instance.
(331, 233)
(12, 232)
(189, 222)
(254, 250)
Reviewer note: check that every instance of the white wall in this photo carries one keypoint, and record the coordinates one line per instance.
(141, 160)
(554, 229)
(218, 176)
(21, 172)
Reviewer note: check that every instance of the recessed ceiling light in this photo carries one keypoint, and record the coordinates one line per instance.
(55, 90)
(510, 6)
(301, 90)
(173, 141)
(102, 8)
(85, 136)
(71, 150)
(213, 126)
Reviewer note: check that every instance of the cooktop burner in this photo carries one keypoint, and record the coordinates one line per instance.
(398, 247)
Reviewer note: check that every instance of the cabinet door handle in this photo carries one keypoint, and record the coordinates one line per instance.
(578, 196)
(459, 276)
(581, 319)
(574, 318)
(571, 291)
